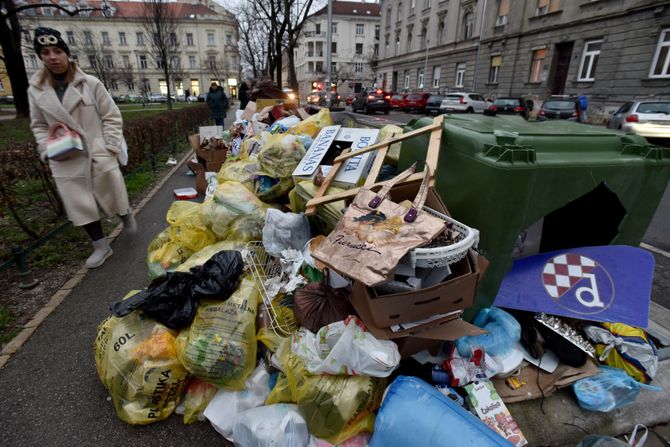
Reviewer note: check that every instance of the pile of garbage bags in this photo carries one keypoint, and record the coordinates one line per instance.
(242, 327)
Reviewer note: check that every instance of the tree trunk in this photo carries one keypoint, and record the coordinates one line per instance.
(10, 41)
(292, 77)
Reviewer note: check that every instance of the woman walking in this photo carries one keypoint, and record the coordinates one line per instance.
(89, 179)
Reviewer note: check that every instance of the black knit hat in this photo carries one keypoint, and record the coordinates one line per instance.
(49, 37)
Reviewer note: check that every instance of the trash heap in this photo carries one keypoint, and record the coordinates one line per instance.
(341, 326)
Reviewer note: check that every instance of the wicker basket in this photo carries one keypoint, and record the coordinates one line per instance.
(431, 257)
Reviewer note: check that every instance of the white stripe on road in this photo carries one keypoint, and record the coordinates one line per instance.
(655, 250)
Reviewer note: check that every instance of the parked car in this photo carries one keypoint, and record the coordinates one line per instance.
(317, 98)
(464, 102)
(374, 101)
(7, 99)
(398, 101)
(433, 105)
(156, 97)
(512, 106)
(350, 98)
(416, 101)
(560, 108)
(202, 97)
(649, 118)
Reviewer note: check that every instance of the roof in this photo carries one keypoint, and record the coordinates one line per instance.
(130, 9)
(352, 9)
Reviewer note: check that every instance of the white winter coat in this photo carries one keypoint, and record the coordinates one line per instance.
(91, 178)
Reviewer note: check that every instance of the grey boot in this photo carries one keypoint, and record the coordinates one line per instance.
(101, 252)
(129, 223)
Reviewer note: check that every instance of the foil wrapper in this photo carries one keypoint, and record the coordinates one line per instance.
(566, 331)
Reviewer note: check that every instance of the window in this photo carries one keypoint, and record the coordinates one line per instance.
(587, 70)
(143, 61)
(333, 29)
(359, 48)
(140, 38)
(318, 67)
(160, 63)
(406, 79)
(195, 87)
(109, 61)
(333, 67)
(176, 62)
(503, 11)
(496, 61)
(131, 85)
(388, 16)
(436, 76)
(358, 67)
(460, 74)
(468, 25)
(33, 61)
(70, 38)
(27, 38)
(126, 61)
(2, 86)
(660, 68)
(360, 29)
(146, 85)
(440, 30)
(375, 50)
(173, 40)
(409, 41)
(333, 47)
(88, 38)
(377, 32)
(310, 67)
(189, 39)
(75, 58)
(423, 38)
(192, 62)
(317, 29)
(210, 39)
(399, 12)
(211, 62)
(412, 6)
(419, 78)
(397, 45)
(105, 38)
(157, 39)
(547, 6)
(113, 86)
(92, 62)
(536, 65)
(229, 39)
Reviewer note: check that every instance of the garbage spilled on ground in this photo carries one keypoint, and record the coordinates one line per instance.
(301, 304)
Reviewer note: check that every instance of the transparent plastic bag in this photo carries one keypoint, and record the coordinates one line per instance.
(164, 255)
(284, 230)
(609, 390)
(136, 361)
(313, 125)
(270, 426)
(280, 155)
(335, 407)
(220, 345)
(196, 399)
(231, 201)
(243, 171)
(503, 331)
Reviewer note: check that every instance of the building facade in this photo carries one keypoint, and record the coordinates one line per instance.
(611, 51)
(355, 45)
(5, 85)
(117, 49)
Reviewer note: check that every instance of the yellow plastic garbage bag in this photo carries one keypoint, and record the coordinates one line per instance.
(313, 125)
(231, 201)
(327, 215)
(187, 227)
(136, 361)
(220, 345)
(280, 154)
(335, 407)
(163, 255)
(196, 398)
(202, 256)
(242, 170)
(387, 132)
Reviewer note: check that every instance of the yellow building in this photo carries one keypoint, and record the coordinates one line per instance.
(5, 86)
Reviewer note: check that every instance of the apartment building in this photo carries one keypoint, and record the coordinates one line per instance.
(116, 47)
(5, 85)
(611, 51)
(354, 47)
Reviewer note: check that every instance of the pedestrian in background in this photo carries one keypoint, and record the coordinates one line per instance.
(243, 94)
(88, 179)
(217, 102)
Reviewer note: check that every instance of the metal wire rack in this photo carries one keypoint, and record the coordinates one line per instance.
(264, 268)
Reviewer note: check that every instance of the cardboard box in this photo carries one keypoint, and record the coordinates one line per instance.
(212, 159)
(266, 102)
(201, 175)
(354, 171)
(207, 132)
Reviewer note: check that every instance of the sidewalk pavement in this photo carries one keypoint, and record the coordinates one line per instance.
(51, 395)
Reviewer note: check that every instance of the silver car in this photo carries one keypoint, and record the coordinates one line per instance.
(649, 118)
(463, 102)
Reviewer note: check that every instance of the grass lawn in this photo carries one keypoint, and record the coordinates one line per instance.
(15, 131)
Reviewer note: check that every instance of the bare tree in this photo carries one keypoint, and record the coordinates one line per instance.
(101, 59)
(10, 42)
(161, 24)
(254, 36)
(216, 67)
(298, 11)
(341, 74)
(127, 75)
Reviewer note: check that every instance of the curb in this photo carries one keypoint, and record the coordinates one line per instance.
(31, 326)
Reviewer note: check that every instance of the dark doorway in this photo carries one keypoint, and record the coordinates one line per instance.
(394, 84)
(560, 66)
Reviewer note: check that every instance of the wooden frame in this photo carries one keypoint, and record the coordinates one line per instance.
(381, 148)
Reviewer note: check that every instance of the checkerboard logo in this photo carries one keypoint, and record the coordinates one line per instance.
(563, 273)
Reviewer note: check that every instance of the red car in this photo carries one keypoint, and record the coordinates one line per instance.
(416, 101)
(398, 101)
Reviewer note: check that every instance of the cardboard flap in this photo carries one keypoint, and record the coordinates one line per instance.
(450, 330)
(194, 141)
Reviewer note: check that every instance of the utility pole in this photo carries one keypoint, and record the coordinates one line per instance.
(329, 47)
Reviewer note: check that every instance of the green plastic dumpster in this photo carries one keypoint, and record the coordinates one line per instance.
(532, 187)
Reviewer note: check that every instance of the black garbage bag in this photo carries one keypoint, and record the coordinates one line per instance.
(173, 299)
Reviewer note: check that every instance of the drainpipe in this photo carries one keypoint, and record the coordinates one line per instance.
(479, 46)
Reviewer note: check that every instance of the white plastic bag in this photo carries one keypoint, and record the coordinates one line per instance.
(345, 348)
(284, 230)
(225, 406)
(279, 425)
